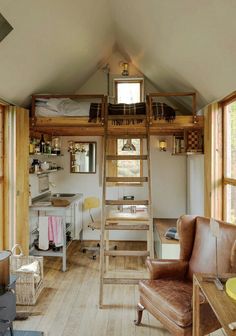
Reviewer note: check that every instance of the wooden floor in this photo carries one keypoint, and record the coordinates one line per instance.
(69, 302)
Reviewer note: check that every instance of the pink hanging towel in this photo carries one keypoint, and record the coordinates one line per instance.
(55, 230)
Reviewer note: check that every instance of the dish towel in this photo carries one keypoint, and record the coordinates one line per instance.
(43, 233)
(55, 230)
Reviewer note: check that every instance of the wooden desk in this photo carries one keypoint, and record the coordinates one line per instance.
(223, 306)
(165, 248)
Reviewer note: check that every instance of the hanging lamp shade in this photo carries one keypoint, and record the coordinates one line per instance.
(128, 146)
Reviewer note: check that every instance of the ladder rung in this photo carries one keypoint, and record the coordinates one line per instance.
(126, 117)
(125, 253)
(117, 226)
(126, 157)
(127, 202)
(125, 277)
(127, 179)
(127, 136)
(121, 281)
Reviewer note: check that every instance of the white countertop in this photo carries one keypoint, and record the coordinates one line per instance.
(44, 203)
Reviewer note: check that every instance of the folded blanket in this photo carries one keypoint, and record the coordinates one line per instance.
(163, 111)
(95, 112)
(127, 109)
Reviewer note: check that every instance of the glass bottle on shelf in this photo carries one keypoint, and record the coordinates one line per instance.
(56, 146)
(42, 144)
(31, 147)
(48, 147)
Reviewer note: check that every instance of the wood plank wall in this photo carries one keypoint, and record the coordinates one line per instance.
(1, 178)
(213, 160)
(22, 179)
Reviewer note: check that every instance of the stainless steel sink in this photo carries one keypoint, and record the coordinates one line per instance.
(63, 195)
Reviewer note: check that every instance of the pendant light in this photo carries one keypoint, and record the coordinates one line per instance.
(128, 146)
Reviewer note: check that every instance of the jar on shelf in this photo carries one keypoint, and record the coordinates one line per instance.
(56, 146)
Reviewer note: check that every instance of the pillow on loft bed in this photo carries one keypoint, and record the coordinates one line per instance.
(163, 111)
(61, 107)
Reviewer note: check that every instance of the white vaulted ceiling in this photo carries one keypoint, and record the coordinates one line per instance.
(180, 45)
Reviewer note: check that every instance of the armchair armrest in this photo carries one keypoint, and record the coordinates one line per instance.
(166, 268)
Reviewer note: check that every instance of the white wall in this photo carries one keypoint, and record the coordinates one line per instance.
(97, 83)
(195, 184)
(168, 181)
(168, 186)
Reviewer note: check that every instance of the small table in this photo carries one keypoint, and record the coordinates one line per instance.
(165, 248)
(223, 306)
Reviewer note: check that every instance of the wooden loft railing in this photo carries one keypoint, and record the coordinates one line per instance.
(181, 122)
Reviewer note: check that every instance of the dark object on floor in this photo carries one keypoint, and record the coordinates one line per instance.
(26, 333)
(168, 293)
(22, 316)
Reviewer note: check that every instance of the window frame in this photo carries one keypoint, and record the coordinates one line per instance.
(117, 81)
(226, 180)
(113, 167)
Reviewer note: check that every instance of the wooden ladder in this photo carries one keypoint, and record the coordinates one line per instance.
(124, 221)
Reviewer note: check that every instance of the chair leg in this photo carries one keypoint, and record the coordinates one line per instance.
(140, 309)
(11, 329)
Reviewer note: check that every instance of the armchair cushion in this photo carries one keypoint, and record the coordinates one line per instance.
(166, 268)
(173, 297)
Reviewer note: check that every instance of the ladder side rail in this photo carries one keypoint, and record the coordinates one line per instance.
(103, 217)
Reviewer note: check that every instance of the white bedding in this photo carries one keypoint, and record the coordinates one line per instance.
(55, 107)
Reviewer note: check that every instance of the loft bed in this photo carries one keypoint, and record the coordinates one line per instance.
(88, 115)
(68, 114)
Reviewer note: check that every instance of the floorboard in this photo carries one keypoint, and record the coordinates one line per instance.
(68, 304)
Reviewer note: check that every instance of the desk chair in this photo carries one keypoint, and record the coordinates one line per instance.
(89, 204)
(92, 203)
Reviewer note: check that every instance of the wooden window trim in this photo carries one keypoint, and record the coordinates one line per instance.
(136, 184)
(226, 181)
(112, 168)
(129, 80)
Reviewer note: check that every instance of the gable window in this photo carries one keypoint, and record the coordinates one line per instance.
(128, 91)
(125, 168)
(229, 160)
(128, 168)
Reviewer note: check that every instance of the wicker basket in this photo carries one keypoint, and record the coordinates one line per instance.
(28, 287)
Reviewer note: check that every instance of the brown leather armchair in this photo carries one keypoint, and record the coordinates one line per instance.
(168, 293)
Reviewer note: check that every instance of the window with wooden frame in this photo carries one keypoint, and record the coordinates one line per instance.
(125, 168)
(229, 160)
(129, 91)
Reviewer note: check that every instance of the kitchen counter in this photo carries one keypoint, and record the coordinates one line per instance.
(72, 221)
(44, 202)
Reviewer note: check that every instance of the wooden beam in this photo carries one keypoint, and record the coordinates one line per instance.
(127, 117)
(230, 181)
(127, 179)
(119, 226)
(127, 202)
(170, 94)
(123, 253)
(22, 179)
(126, 157)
